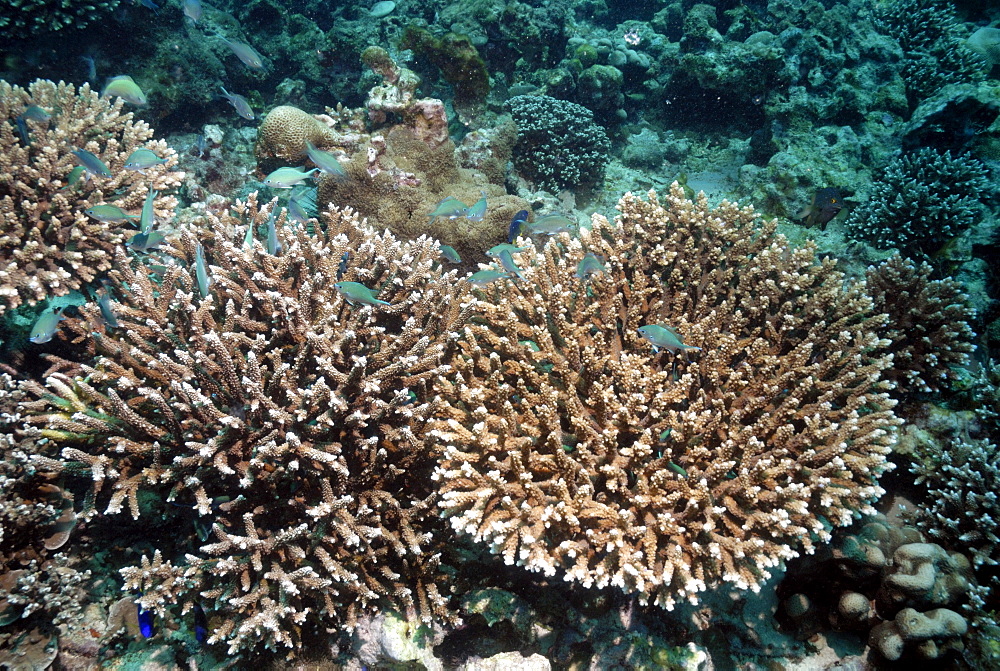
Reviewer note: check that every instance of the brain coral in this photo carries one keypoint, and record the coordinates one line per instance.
(568, 445)
(283, 135)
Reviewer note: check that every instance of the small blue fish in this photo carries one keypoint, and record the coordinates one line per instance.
(296, 210)
(450, 255)
(515, 225)
(273, 245)
(239, 103)
(494, 251)
(248, 236)
(192, 10)
(74, 176)
(590, 264)
(484, 277)
(149, 4)
(107, 314)
(286, 178)
(551, 224)
(36, 113)
(477, 210)
(140, 243)
(146, 626)
(108, 213)
(148, 216)
(665, 337)
(507, 261)
(449, 208)
(342, 266)
(143, 159)
(200, 624)
(94, 166)
(201, 271)
(46, 325)
(325, 161)
(355, 293)
(124, 87)
(245, 53)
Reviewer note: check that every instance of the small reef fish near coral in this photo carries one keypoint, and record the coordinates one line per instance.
(516, 336)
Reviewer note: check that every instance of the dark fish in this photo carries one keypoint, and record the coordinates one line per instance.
(826, 204)
(201, 145)
(146, 622)
(515, 225)
(342, 266)
(22, 130)
(91, 67)
(200, 624)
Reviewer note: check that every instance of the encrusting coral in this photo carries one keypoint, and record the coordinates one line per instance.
(48, 245)
(286, 419)
(569, 445)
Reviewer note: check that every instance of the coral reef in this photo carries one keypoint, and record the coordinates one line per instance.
(929, 323)
(459, 62)
(398, 179)
(48, 245)
(558, 145)
(921, 201)
(567, 445)
(246, 395)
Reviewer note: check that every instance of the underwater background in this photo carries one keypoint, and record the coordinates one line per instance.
(573, 334)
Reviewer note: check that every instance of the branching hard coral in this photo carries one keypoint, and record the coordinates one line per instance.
(921, 201)
(933, 45)
(568, 445)
(22, 18)
(928, 323)
(962, 508)
(39, 588)
(48, 246)
(559, 145)
(288, 420)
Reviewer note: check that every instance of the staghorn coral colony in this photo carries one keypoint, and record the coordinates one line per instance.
(352, 366)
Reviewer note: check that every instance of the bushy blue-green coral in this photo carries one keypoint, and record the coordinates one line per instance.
(933, 45)
(922, 200)
(22, 18)
(558, 144)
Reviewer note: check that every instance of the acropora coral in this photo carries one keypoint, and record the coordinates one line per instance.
(278, 415)
(568, 446)
(48, 245)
